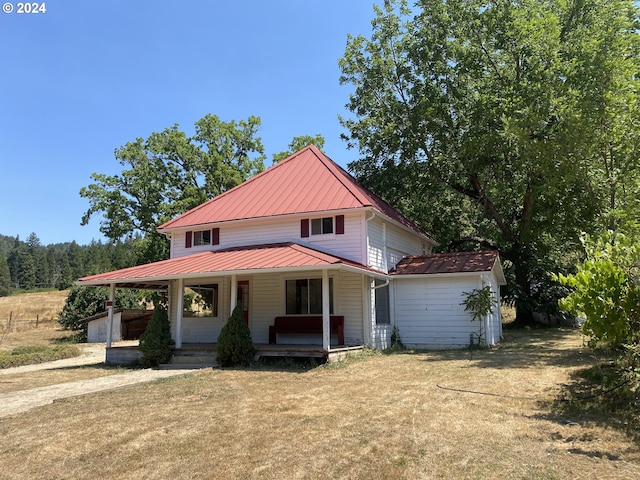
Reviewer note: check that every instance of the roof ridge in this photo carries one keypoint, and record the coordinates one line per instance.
(246, 182)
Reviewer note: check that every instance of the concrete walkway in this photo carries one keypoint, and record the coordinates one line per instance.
(24, 400)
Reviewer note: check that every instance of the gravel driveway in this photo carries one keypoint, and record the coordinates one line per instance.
(24, 400)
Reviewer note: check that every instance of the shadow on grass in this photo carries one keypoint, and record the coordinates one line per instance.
(597, 395)
(521, 348)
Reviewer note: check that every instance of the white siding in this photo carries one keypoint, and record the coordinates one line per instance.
(429, 313)
(493, 324)
(280, 229)
(201, 329)
(97, 329)
(348, 302)
(388, 244)
(266, 294)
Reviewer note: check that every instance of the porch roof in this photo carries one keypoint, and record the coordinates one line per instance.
(237, 260)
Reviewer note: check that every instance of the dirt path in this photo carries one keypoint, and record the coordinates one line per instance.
(24, 400)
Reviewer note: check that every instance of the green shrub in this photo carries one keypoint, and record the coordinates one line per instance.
(155, 342)
(83, 302)
(234, 342)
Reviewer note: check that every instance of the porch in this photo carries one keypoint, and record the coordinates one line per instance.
(204, 354)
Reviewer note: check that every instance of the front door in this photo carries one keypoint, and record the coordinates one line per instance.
(243, 298)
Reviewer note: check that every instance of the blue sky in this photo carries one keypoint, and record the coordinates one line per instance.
(86, 77)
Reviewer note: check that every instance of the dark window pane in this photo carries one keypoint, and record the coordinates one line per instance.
(316, 226)
(327, 225)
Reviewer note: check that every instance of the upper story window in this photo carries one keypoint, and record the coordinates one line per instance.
(322, 226)
(202, 237)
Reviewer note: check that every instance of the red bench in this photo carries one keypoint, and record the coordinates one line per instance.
(307, 324)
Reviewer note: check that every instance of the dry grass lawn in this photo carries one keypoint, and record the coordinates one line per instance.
(30, 318)
(381, 416)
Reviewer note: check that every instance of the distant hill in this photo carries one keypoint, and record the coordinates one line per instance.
(27, 264)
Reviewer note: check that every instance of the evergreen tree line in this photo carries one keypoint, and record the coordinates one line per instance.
(27, 265)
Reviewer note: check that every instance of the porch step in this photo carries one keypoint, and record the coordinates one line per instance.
(193, 359)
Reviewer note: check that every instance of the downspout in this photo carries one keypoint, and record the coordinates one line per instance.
(366, 298)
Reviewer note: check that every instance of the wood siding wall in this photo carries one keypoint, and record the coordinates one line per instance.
(429, 311)
(284, 229)
(388, 244)
(267, 301)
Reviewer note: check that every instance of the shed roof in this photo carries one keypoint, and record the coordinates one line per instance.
(458, 262)
(308, 181)
(230, 260)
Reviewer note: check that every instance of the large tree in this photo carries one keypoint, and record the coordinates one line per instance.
(170, 172)
(298, 143)
(498, 121)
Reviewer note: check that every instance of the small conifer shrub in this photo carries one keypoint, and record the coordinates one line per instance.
(155, 342)
(234, 342)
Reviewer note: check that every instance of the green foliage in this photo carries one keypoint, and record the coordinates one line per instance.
(606, 290)
(396, 341)
(32, 265)
(510, 122)
(298, 143)
(29, 355)
(5, 277)
(479, 301)
(234, 345)
(83, 302)
(155, 342)
(169, 173)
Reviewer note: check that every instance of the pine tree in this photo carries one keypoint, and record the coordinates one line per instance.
(5, 277)
(155, 342)
(234, 342)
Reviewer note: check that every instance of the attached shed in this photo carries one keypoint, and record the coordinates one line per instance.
(428, 295)
(128, 324)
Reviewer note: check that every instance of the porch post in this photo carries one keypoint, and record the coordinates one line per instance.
(234, 294)
(112, 295)
(326, 313)
(180, 310)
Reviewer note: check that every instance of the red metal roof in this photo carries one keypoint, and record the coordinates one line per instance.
(255, 257)
(461, 262)
(307, 181)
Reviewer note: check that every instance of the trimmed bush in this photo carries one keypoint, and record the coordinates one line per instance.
(155, 342)
(234, 342)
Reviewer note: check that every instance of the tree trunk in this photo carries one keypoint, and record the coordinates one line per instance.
(525, 306)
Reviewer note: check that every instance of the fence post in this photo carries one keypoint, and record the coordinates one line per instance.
(37, 320)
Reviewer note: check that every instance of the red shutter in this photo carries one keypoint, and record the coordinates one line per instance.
(215, 236)
(339, 224)
(304, 227)
(187, 239)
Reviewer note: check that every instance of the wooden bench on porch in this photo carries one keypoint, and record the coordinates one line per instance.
(308, 324)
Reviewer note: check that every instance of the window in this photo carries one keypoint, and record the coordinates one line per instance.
(203, 237)
(304, 297)
(322, 226)
(201, 300)
(382, 306)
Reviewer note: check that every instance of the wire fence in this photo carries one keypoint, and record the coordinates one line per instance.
(14, 324)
